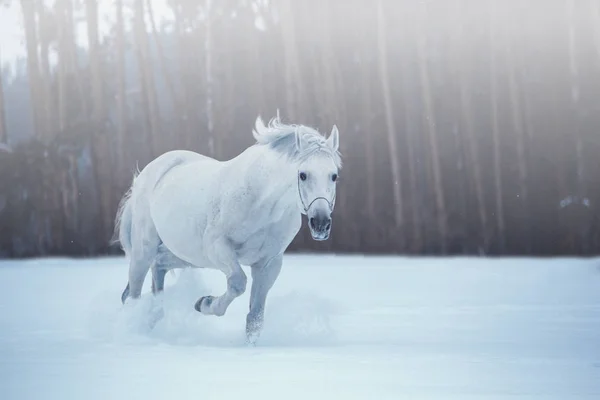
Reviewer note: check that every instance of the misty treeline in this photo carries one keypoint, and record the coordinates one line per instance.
(467, 127)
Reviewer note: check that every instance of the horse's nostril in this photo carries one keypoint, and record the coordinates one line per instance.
(312, 223)
(328, 226)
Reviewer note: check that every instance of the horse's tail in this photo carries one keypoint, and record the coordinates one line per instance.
(123, 220)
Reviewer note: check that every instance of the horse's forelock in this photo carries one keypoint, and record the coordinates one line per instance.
(282, 138)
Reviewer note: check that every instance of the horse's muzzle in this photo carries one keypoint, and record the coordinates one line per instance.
(320, 227)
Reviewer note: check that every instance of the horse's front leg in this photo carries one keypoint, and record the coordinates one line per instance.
(236, 286)
(264, 275)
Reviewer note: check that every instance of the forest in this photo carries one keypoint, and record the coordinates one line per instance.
(467, 127)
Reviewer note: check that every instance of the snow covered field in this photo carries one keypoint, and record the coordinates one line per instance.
(336, 328)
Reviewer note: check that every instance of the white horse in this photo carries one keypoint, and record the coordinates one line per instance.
(186, 209)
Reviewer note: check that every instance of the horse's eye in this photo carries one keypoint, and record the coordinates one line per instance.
(334, 177)
(302, 176)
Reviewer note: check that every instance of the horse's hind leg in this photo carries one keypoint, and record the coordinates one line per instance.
(142, 257)
(159, 269)
(165, 261)
(138, 269)
(158, 279)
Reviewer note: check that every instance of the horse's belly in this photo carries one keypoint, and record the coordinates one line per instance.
(180, 235)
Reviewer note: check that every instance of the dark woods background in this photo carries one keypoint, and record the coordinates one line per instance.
(467, 127)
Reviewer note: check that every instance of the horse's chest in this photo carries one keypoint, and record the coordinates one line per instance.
(267, 241)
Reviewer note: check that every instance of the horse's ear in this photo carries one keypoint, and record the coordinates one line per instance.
(334, 139)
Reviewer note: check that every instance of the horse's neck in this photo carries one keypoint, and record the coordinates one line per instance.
(271, 173)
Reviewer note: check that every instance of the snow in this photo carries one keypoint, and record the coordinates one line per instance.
(336, 327)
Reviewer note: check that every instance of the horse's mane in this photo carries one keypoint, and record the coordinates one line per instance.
(282, 138)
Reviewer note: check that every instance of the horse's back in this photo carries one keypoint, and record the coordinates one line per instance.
(161, 164)
(158, 168)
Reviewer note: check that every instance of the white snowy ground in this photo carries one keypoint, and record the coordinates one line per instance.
(336, 328)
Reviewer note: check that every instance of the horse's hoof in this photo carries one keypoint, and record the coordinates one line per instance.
(253, 329)
(125, 294)
(252, 338)
(207, 300)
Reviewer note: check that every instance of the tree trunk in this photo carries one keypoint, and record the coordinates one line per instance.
(474, 161)
(576, 88)
(411, 122)
(258, 80)
(208, 49)
(69, 77)
(432, 139)
(517, 123)
(472, 143)
(98, 112)
(101, 149)
(499, 206)
(291, 61)
(366, 107)
(188, 119)
(575, 95)
(121, 99)
(48, 104)
(389, 118)
(148, 88)
(329, 66)
(161, 57)
(595, 16)
(62, 67)
(33, 67)
(3, 125)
